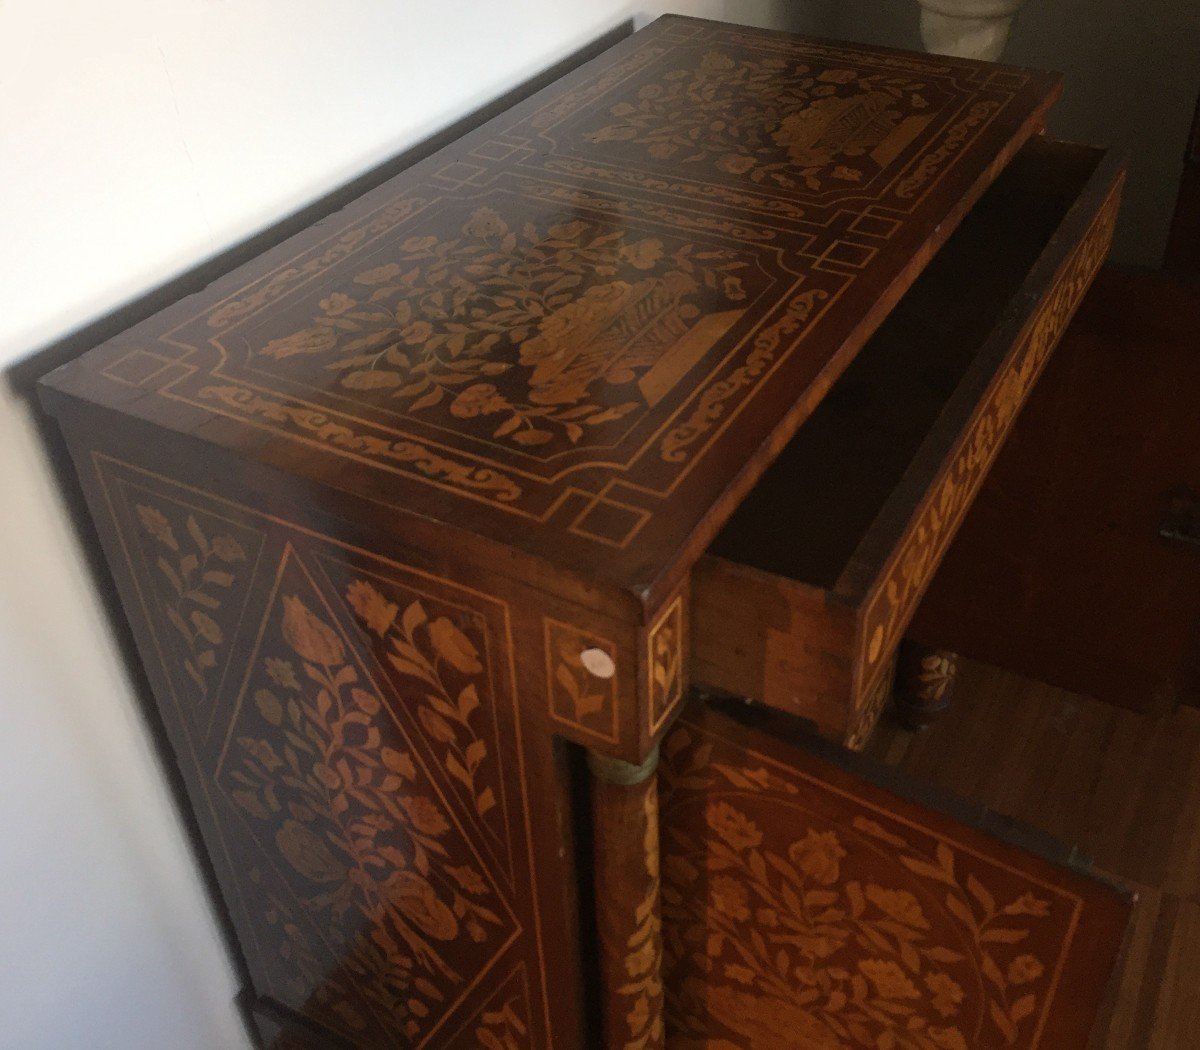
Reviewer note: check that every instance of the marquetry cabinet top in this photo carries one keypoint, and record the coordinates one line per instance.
(584, 329)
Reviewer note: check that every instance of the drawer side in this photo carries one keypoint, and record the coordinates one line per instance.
(896, 560)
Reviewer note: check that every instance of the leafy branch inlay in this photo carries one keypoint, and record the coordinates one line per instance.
(782, 928)
(545, 332)
(379, 868)
(198, 579)
(446, 665)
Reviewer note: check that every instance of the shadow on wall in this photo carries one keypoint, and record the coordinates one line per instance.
(22, 378)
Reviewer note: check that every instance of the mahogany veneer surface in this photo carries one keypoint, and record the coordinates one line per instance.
(391, 834)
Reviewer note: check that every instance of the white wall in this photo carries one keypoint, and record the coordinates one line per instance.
(138, 138)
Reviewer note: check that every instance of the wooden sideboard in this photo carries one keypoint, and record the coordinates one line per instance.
(429, 522)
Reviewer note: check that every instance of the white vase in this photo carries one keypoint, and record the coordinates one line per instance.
(967, 28)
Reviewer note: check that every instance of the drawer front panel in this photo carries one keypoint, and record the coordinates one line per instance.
(805, 907)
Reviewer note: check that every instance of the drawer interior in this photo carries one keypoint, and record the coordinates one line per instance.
(832, 484)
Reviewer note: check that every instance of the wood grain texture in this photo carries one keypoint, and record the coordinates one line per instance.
(851, 522)
(775, 639)
(1059, 571)
(804, 906)
(546, 334)
(1123, 786)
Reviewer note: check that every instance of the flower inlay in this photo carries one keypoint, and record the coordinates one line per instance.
(536, 337)
(380, 875)
(792, 920)
(200, 567)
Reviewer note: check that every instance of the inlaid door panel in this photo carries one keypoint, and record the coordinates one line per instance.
(804, 906)
(349, 732)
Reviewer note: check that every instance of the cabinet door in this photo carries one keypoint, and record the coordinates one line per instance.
(809, 900)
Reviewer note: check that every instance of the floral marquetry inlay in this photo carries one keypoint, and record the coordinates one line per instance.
(555, 321)
(535, 337)
(582, 680)
(641, 985)
(354, 759)
(436, 657)
(410, 502)
(197, 571)
(373, 853)
(864, 718)
(796, 915)
(665, 663)
(778, 120)
(503, 1024)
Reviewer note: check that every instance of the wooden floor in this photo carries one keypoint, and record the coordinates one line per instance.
(1123, 787)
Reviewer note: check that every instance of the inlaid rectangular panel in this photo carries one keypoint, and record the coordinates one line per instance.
(803, 906)
(552, 331)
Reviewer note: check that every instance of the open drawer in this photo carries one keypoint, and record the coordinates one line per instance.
(813, 899)
(804, 596)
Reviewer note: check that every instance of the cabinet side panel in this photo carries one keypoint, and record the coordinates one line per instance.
(349, 728)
